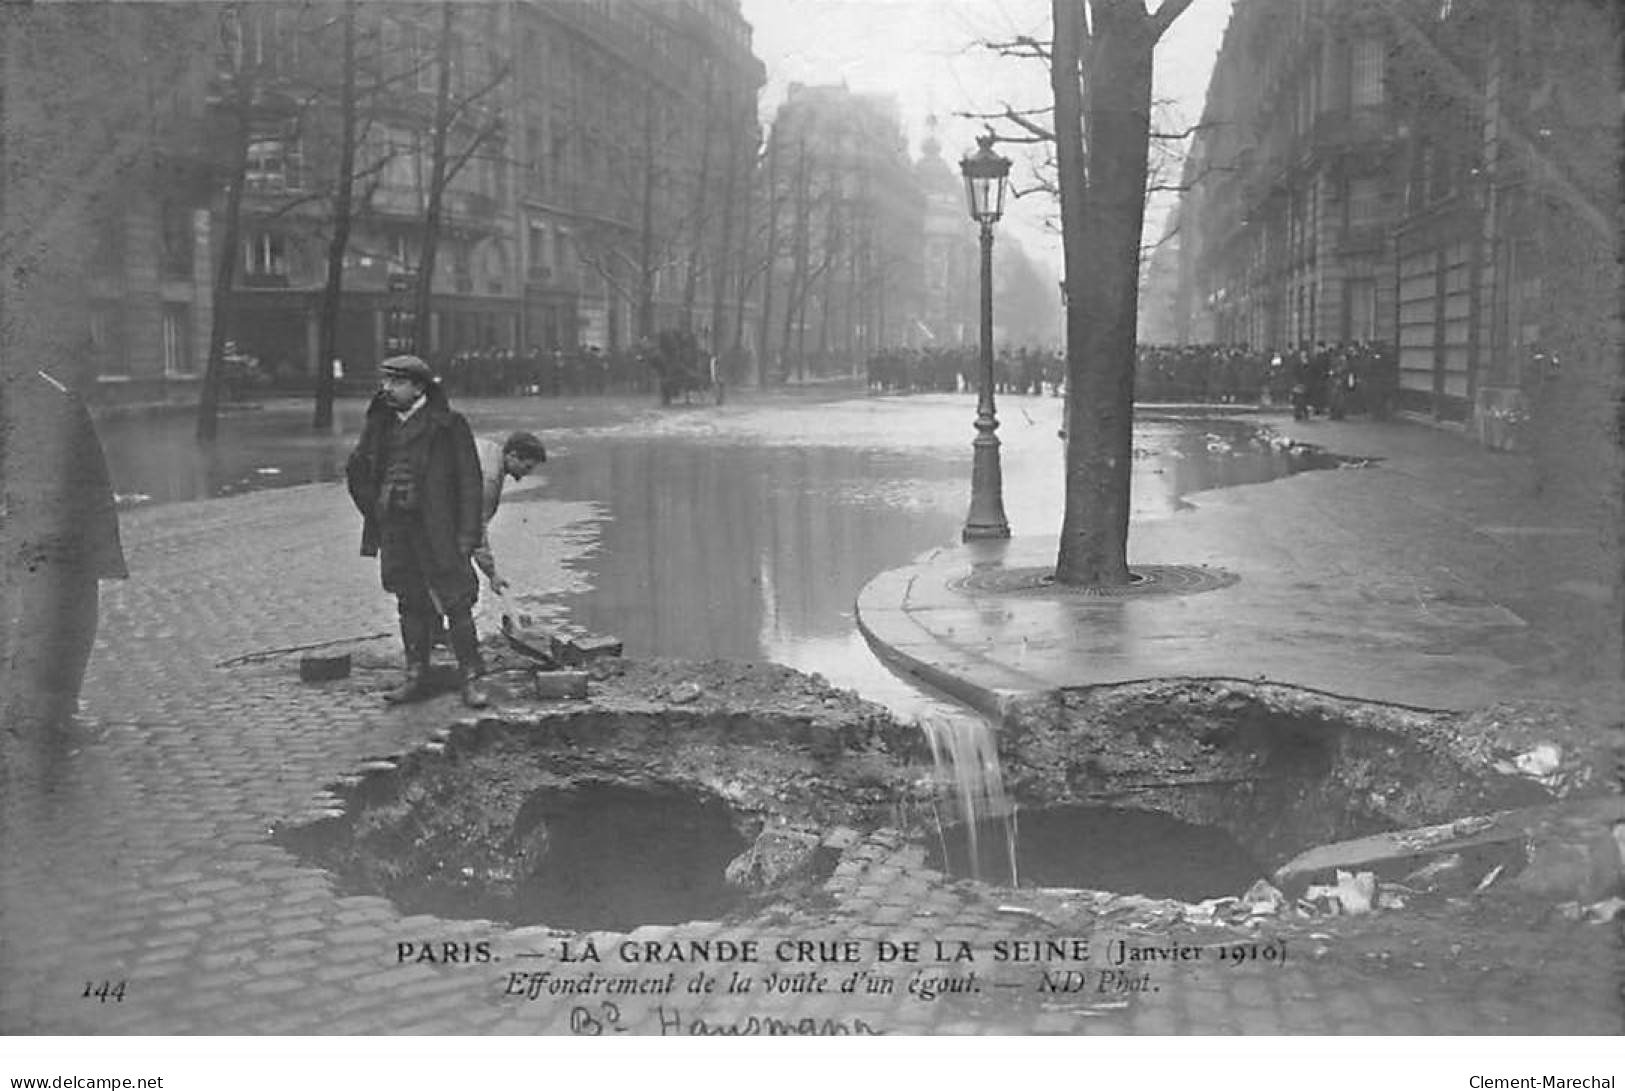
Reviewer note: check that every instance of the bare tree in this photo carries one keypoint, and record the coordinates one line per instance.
(343, 212)
(242, 71)
(464, 115)
(1102, 218)
(770, 255)
(629, 252)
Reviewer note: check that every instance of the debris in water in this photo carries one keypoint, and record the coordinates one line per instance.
(1263, 900)
(1606, 910)
(1428, 875)
(1493, 874)
(1353, 893)
(1540, 761)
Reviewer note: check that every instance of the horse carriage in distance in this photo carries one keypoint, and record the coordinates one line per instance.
(682, 368)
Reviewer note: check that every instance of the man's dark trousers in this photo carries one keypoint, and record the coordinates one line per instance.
(423, 593)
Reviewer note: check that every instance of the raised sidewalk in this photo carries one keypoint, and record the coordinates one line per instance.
(1429, 573)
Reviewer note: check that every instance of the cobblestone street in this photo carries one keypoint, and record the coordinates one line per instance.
(146, 860)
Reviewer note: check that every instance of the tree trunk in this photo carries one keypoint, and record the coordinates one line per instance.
(691, 279)
(741, 253)
(770, 259)
(208, 405)
(333, 291)
(646, 235)
(1103, 212)
(437, 188)
(721, 346)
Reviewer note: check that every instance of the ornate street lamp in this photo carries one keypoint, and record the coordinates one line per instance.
(985, 173)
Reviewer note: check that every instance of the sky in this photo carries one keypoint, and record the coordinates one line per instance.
(926, 54)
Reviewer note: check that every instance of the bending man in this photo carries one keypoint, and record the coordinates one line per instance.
(515, 457)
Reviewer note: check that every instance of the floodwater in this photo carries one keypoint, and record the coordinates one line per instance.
(1119, 849)
(744, 531)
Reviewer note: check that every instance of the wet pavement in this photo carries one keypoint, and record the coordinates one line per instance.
(1424, 573)
(146, 859)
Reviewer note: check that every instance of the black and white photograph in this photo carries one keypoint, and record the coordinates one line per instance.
(832, 518)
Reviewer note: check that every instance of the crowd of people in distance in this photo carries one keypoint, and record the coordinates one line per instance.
(1331, 379)
(947, 370)
(501, 372)
(1324, 378)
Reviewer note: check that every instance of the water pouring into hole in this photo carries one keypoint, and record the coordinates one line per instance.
(966, 757)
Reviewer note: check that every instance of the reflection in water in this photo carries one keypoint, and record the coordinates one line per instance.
(712, 549)
(159, 460)
(733, 552)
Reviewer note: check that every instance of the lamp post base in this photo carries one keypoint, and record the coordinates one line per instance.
(976, 532)
(986, 517)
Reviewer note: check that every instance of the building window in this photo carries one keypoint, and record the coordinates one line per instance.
(1365, 202)
(229, 56)
(402, 252)
(534, 181)
(1423, 171)
(177, 340)
(108, 258)
(265, 255)
(397, 158)
(107, 345)
(1366, 73)
(275, 165)
(537, 253)
(285, 49)
(494, 270)
(175, 258)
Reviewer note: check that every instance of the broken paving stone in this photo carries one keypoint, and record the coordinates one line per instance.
(324, 668)
(576, 651)
(1352, 894)
(780, 854)
(842, 838)
(601, 670)
(684, 693)
(1540, 761)
(1263, 899)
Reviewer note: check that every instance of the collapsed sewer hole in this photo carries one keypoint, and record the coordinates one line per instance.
(612, 820)
(608, 821)
(1192, 791)
(1116, 849)
(598, 856)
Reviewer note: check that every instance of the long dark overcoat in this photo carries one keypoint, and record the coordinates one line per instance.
(448, 475)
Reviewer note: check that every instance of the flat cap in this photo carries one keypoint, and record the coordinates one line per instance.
(407, 367)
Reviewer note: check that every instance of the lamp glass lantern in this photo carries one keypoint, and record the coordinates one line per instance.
(986, 174)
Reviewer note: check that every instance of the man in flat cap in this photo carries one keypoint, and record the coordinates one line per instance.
(415, 477)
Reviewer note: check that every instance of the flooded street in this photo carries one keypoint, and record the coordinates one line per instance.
(743, 531)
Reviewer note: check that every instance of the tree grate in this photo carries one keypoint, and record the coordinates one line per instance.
(1149, 579)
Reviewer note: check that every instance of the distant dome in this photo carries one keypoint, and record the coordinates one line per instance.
(935, 176)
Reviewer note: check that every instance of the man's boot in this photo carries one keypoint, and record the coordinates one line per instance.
(465, 643)
(415, 637)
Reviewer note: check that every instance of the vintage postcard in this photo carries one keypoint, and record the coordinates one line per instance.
(639, 518)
